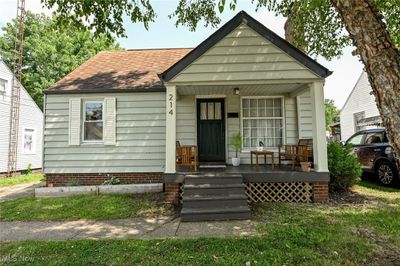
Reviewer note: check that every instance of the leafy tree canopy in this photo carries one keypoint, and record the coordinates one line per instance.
(332, 113)
(318, 27)
(50, 52)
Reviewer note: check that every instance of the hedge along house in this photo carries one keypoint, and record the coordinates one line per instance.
(121, 113)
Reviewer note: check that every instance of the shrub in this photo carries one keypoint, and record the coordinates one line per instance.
(28, 170)
(112, 181)
(344, 168)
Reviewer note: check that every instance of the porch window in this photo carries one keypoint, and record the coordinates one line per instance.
(93, 121)
(262, 120)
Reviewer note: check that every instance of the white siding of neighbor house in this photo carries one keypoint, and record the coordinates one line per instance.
(246, 56)
(359, 100)
(140, 136)
(304, 114)
(186, 132)
(30, 117)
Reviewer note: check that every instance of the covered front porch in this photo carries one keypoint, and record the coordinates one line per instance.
(207, 117)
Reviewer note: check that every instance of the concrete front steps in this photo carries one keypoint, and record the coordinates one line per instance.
(214, 197)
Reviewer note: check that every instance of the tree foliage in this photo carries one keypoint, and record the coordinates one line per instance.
(50, 52)
(331, 113)
(318, 27)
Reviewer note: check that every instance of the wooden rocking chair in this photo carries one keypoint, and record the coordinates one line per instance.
(187, 155)
(294, 153)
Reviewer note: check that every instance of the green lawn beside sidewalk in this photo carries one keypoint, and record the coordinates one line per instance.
(90, 207)
(21, 179)
(358, 228)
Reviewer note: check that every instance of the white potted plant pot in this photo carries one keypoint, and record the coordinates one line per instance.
(235, 161)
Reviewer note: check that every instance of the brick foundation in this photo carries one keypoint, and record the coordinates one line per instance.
(57, 180)
(171, 193)
(320, 192)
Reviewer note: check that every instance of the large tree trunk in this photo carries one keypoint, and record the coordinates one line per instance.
(380, 57)
(291, 30)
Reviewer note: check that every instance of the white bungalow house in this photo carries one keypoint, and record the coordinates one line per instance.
(121, 113)
(359, 111)
(30, 126)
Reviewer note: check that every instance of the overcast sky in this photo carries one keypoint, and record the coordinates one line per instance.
(163, 34)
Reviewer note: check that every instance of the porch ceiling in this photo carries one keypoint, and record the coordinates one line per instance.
(245, 90)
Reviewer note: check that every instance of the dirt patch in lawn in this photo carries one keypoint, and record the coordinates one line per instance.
(385, 255)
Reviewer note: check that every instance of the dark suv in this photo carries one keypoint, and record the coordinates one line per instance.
(375, 154)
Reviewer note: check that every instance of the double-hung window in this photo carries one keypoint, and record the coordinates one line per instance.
(262, 120)
(3, 86)
(28, 141)
(93, 121)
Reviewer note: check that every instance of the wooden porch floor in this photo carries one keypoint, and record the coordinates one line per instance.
(250, 173)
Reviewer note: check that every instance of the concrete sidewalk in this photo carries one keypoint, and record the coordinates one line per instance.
(140, 228)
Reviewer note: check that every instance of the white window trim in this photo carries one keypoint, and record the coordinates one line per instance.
(33, 151)
(84, 102)
(283, 117)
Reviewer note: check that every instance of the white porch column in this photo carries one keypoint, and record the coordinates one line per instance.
(170, 130)
(318, 122)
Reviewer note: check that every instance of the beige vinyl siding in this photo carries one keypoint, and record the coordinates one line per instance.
(233, 125)
(186, 120)
(246, 56)
(304, 107)
(140, 136)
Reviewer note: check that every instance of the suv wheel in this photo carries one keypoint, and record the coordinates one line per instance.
(386, 173)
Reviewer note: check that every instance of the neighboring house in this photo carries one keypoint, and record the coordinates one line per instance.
(359, 111)
(121, 112)
(30, 125)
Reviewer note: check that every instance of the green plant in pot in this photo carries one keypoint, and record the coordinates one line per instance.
(237, 145)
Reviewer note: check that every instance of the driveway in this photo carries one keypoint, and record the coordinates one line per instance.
(18, 191)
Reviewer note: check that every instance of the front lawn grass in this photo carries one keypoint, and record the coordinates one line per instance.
(91, 207)
(21, 179)
(358, 228)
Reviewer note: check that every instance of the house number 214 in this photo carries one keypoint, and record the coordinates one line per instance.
(170, 99)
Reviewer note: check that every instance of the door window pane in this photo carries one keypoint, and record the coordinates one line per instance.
(218, 111)
(210, 111)
(203, 111)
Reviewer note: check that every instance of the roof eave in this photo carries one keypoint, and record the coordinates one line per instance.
(90, 91)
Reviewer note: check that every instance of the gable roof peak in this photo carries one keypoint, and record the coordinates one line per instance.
(239, 18)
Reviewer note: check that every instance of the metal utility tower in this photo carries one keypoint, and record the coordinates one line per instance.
(16, 89)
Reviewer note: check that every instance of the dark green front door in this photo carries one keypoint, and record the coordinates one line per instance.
(211, 130)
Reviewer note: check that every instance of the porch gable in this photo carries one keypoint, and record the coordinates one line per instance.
(244, 50)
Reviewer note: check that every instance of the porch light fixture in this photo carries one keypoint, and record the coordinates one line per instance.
(236, 91)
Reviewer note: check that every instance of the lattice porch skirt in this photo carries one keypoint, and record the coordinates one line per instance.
(279, 192)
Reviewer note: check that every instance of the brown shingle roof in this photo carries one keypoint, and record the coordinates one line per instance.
(120, 70)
